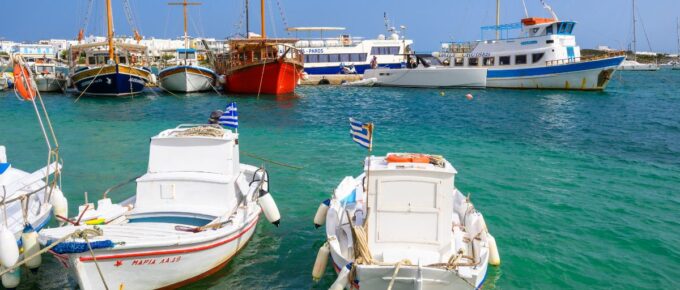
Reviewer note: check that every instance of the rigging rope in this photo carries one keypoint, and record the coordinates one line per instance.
(283, 16)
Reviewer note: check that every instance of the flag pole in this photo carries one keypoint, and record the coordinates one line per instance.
(368, 169)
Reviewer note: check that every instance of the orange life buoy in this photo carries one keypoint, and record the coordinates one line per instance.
(408, 158)
(23, 83)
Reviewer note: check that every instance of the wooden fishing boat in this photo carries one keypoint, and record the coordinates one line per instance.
(47, 77)
(259, 64)
(195, 208)
(186, 75)
(109, 68)
(403, 225)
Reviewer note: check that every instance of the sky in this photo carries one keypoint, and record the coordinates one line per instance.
(428, 22)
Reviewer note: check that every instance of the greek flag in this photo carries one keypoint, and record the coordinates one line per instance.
(230, 116)
(362, 133)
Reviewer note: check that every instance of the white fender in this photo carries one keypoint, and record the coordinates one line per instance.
(342, 281)
(221, 79)
(320, 217)
(59, 205)
(29, 240)
(9, 251)
(494, 256)
(271, 211)
(459, 242)
(11, 279)
(321, 262)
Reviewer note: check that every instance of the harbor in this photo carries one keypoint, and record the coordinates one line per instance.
(519, 159)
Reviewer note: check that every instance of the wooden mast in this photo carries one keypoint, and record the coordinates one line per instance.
(185, 4)
(247, 20)
(109, 25)
(264, 32)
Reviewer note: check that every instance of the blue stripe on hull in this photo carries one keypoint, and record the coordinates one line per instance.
(336, 69)
(113, 84)
(549, 70)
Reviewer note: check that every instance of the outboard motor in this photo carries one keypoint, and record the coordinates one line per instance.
(215, 117)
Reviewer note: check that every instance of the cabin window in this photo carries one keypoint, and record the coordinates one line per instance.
(536, 57)
(91, 60)
(47, 69)
(122, 59)
(334, 57)
(385, 50)
(313, 58)
(549, 30)
(344, 57)
(504, 60)
(323, 58)
(458, 61)
(570, 27)
(357, 57)
(549, 41)
(489, 61)
(521, 59)
(473, 61)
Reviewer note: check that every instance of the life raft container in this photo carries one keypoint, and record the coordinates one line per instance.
(23, 83)
(408, 158)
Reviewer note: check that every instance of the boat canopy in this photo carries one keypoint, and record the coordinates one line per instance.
(123, 45)
(185, 50)
(315, 28)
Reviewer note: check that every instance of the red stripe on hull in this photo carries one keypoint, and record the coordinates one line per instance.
(279, 78)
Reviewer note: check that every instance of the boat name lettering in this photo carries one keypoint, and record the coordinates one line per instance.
(478, 54)
(154, 261)
(312, 50)
(134, 80)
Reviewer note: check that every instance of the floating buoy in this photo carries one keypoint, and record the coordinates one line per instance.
(29, 240)
(342, 281)
(11, 279)
(59, 205)
(320, 217)
(9, 251)
(441, 93)
(271, 211)
(321, 262)
(494, 256)
(469, 96)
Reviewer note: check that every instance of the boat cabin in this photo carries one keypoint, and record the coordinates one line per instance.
(410, 210)
(97, 54)
(191, 169)
(247, 52)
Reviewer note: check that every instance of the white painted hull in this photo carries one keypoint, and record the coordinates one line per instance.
(157, 267)
(631, 65)
(433, 77)
(186, 82)
(50, 84)
(593, 79)
(3, 83)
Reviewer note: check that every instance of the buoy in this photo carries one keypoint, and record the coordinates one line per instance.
(469, 96)
(29, 240)
(320, 217)
(441, 93)
(9, 251)
(271, 211)
(59, 205)
(341, 282)
(221, 79)
(494, 256)
(11, 279)
(321, 262)
(24, 82)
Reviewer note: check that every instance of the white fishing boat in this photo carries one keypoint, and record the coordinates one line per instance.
(186, 75)
(47, 77)
(195, 208)
(27, 200)
(345, 54)
(421, 73)
(5, 81)
(402, 224)
(633, 64)
(543, 56)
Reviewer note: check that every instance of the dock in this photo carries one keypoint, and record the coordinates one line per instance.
(338, 79)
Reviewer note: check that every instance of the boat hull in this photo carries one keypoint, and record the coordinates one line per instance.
(50, 84)
(110, 80)
(337, 69)
(157, 268)
(271, 78)
(439, 77)
(187, 79)
(586, 75)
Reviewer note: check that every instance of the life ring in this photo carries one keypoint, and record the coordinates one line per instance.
(23, 83)
(408, 158)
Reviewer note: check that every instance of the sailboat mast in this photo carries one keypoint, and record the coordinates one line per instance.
(247, 19)
(186, 36)
(264, 32)
(498, 19)
(677, 32)
(634, 34)
(109, 27)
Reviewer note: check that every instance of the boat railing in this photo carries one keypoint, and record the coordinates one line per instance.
(584, 59)
(328, 42)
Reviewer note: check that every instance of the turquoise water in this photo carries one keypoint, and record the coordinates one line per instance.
(581, 190)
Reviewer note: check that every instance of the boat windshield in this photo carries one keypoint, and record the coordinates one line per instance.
(44, 69)
(187, 55)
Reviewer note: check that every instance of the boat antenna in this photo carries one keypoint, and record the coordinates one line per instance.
(552, 12)
(185, 4)
(526, 12)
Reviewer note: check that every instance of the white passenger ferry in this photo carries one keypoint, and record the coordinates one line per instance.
(347, 54)
(544, 56)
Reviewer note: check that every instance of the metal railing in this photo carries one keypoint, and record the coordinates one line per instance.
(583, 59)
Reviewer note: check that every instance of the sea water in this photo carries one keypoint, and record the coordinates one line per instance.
(580, 189)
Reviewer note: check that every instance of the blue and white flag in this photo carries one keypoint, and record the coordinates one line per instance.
(362, 133)
(230, 116)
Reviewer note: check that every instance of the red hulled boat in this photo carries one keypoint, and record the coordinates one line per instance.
(261, 65)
